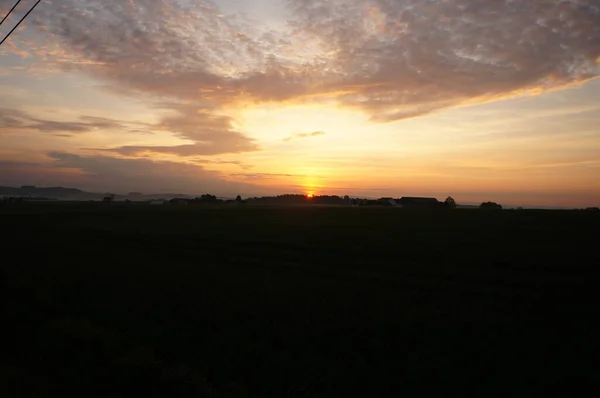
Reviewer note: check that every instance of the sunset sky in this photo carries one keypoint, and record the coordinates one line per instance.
(477, 99)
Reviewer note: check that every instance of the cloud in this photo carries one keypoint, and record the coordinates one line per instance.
(403, 59)
(304, 135)
(137, 131)
(12, 118)
(269, 176)
(102, 173)
(15, 119)
(212, 134)
(87, 124)
(391, 59)
(238, 163)
(177, 49)
(179, 150)
(31, 173)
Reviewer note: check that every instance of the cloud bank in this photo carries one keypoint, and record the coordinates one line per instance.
(105, 173)
(18, 120)
(211, 133)
(392, 59)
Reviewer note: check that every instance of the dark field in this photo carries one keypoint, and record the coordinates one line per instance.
(115, 301)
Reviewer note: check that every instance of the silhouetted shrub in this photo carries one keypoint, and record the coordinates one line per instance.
(450, 202)
(490, 206)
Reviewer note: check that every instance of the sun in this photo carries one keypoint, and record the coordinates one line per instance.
(310, 195)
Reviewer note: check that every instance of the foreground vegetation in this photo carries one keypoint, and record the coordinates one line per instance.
(114, 301)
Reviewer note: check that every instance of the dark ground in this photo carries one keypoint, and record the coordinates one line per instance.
(114, 301)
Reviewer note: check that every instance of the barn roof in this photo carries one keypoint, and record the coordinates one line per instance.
(418, 200)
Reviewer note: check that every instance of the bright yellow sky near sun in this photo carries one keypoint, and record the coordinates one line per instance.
(455, 149)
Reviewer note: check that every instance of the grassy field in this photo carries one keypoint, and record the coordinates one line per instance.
(115, 301)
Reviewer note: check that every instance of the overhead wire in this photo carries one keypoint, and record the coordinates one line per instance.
(10, 12)
(20, 21)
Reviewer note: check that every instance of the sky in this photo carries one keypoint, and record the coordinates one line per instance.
(475, 99)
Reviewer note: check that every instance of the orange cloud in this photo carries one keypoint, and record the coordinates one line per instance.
(14, 119)
(211, 133)
(304, 135)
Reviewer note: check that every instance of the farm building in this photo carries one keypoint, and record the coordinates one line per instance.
(388, 201)
(179, 201)
(419, 203)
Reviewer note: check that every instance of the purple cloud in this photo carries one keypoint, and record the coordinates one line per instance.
(391, 59)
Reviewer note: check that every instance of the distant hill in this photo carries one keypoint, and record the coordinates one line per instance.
(48, 192)
(33, 190)
(62, 193)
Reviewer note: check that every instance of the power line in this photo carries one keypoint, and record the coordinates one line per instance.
(19, 23)
(10, 12)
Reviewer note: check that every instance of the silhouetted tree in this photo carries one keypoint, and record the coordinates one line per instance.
(287, 199)
(490, 206)
(238, 198)
(207, 198)
(327, 200)
(450, 202)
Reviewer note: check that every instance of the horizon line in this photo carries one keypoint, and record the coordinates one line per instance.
(175, 194)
